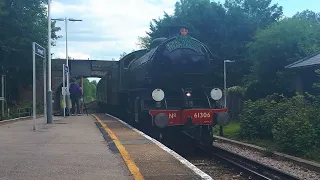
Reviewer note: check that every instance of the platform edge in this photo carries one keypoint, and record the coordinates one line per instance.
(182, 160)
(124, 153)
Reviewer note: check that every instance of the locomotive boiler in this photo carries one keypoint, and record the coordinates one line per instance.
(167, 88)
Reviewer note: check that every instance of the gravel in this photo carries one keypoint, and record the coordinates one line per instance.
(216, 170)
(283, 165)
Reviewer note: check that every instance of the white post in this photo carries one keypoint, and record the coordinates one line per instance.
(49, 102)
(34, 85)
(225, 84)
(45, 87)
(225, 80)
(67, 65)
(63, 91)
(225, 89)
(2, 94)
(67, 60)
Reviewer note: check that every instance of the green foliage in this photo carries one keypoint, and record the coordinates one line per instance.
(282, 43)
(143, 42)
(2, 10)
(237, 89)
(89, 90)
(294, 132)
(251, 123)
(231, 130)
(316, 85)
(23, 109)
(21, 23)
(292, 123)
(315, 120)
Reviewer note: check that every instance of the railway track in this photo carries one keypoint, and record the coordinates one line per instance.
(250, 168)
(244, 166)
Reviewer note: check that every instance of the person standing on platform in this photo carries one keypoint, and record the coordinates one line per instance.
(75, 94)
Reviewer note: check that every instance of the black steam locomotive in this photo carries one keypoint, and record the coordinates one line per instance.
(166, 88)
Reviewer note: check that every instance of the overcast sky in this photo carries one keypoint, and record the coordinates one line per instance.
(111, 27)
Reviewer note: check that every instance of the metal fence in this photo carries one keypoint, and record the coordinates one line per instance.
(23, 112)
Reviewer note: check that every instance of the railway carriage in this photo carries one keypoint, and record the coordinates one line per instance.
(166, 88)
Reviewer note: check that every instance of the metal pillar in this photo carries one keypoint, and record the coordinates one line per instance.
(64, 90)
(225, 88)
(45, 88)
(2, 95)
(67, 66)
(225, 83)
(34, 86)
(49, 93)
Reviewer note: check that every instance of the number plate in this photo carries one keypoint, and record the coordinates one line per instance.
(199, 116)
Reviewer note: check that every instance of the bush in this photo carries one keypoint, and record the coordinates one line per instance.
(258, 117)
(25, 109)
(293, 133)
(292, 123)
(250, 118)
(315, 120)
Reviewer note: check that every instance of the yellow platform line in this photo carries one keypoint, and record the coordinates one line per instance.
(124, 153)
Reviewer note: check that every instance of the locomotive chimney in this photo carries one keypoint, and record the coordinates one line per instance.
(175, 30)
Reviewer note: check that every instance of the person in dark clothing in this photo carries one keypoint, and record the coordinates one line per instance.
(75, 95)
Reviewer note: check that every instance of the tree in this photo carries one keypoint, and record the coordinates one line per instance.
(308, 15)
(22, 23)
(282, 43)
(123, 55)
(144, 42)
(2, 10)
(89, 89)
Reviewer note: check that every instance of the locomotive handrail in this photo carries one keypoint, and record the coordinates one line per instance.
(208, 99)
(165, 102)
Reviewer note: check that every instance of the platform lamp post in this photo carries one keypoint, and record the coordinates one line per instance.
(49, 92)
(67, 58)
(225, 88)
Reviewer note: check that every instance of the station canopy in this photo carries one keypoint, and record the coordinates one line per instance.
(310, 61)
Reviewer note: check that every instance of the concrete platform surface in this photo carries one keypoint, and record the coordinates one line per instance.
(154, 162)
(70, 148)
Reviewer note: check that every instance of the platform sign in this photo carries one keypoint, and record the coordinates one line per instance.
(39, 50)
(64, 91)
(66, 69)
(1, 98)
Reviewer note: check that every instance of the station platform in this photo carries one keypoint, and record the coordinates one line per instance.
(87, 147)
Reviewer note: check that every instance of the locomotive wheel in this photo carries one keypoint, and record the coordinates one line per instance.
(137, 110)
(100, 109)
(206, 135)
(163, 135)
(130, 118)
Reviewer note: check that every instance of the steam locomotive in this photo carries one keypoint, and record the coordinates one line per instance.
(166, 88)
